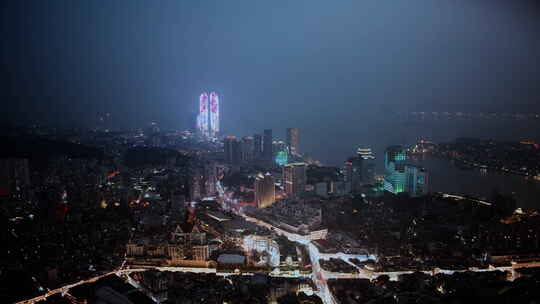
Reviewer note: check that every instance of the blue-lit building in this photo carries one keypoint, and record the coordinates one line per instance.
(395, 177)
(282, 158)
(417, 180)
(402, 177)
(281, 153)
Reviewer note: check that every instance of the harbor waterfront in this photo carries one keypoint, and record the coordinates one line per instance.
(448, 176)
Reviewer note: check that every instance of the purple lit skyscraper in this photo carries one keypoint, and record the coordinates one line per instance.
(202, 118)
(214, 114)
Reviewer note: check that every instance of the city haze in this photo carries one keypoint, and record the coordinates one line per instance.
(338, 71)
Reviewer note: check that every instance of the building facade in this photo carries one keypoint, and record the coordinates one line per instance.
(248, 149)
(402, 177)
(268, 150)
(214, 114)
(417, 180)
(293, 140)
(202, 117)
(368, 165)
(232, 150)
(294, 178)
(395, 179)
(263, 244)
(280, 153)
(265, 192)
(257, 146)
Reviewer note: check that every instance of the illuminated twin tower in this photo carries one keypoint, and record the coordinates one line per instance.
(208, 118)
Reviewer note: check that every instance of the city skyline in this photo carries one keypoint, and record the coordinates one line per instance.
(325, 64)
(310, 151)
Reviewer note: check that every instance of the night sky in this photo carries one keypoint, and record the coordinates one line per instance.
(335, 69)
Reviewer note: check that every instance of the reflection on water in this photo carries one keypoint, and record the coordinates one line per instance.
(446, 176)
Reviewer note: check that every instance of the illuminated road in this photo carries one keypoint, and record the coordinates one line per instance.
(136, 268)
(317, 275)
(64, 289)
(321, 276)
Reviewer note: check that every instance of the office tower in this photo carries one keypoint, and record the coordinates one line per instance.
(422, 187)
(202, 118)
(347, 171)
(294, 177)
(280, 152)
(395, 178)
(232, 150)
(214, 114)
(228, 148)
(257, 140)
(293, 140)
(247, 149)
(237, 153)
(353, 169)
(368, 172)
(268, 148)
(417, 181)
(210, 178)
(265, 192)
(368, 165)
(282, 158)
(365, 153)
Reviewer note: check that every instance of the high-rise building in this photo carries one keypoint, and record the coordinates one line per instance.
(257, 141)
(293, 140)
(232, 150)
(368, 172)
(268, 147)
(237, 153)
(417, 180)
(365, 153)
(356, 174)
(202, 118)
(280, 152)
(347, 172)
(368, 165)
(214, 114)
(208, 117)
(402, 177)
(265, 192)
(395, 178)
(282, 158)
(228, 143)
(248, 149)
(294, 178)
(210, 178)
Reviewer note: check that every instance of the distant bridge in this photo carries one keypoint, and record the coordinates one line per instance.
(460, 198)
